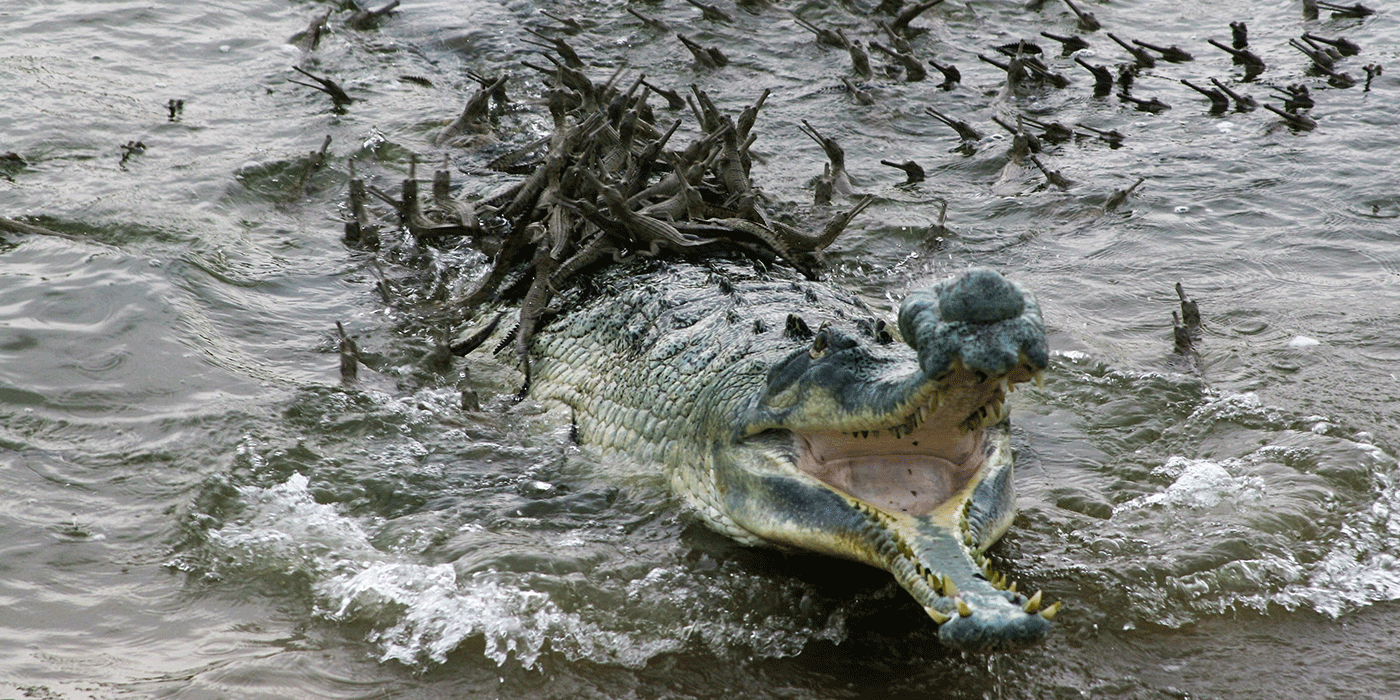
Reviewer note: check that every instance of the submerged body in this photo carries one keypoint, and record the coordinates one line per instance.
(787, 413)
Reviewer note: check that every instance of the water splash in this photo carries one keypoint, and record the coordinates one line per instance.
(1228, 503)
(1363, 566)
(1199, 484)
(433, 613)
(421, 612)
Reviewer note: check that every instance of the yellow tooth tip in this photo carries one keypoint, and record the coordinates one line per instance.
(950, 589)
(1033, 604)
(1050, 612)
(937, 615)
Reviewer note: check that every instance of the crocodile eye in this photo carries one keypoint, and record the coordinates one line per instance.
(819, 344)
(882, 333)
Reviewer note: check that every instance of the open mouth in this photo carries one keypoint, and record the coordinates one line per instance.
(898, 461)
(919, 460)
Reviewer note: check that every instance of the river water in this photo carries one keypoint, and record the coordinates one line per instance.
(192, 506)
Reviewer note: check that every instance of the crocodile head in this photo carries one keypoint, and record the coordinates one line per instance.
(898, 456)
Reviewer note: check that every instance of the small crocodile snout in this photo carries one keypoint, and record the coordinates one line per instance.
(996, 629)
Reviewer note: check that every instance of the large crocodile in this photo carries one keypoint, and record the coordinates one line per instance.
(819, 430)
(896, 455)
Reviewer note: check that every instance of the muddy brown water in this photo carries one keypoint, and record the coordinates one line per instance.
(192, 507)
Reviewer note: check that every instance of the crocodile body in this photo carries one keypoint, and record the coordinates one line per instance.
(786, 413)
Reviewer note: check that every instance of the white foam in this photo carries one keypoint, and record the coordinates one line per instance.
(1363, 564)
(283, 526)
(1198, 484)
(1186, 533)
(435, 613)
(420, 612)
(1072, 355)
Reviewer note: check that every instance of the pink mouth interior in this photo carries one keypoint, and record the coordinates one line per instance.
(910, 475)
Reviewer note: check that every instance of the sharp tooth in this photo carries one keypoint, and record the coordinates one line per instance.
(1040, 379)
(963, 609)
(934, 582)
(1011, 587)
(938, 615)
(1033, 604)
(1050, 612)
(950, 589)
